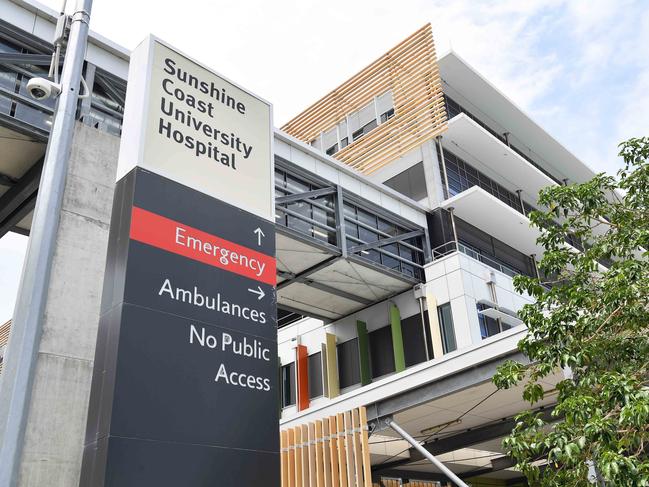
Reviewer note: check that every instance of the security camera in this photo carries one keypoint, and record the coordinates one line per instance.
(42, 89)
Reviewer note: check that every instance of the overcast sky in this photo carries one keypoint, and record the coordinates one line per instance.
(580, 68)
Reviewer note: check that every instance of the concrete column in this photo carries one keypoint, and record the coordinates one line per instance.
(56, 420)
(432, 174)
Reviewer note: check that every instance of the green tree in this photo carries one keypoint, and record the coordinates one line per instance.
(590, 321)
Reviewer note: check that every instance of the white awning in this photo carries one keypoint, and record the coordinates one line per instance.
(489, 155)
(497, 314)
(486, 212)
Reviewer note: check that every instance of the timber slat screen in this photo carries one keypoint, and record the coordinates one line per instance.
(4, 339)
(330, 452)
(411, 72)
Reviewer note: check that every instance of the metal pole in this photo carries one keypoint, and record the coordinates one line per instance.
(20, 364)
(536, 267)
(415, 444)
(451, 211)
(340, 222)
(520, 200)
(447, 193)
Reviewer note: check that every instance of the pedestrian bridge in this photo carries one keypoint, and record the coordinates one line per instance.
(343, 243)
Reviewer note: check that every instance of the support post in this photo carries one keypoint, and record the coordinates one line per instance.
(536, 267)
(340, 222)
(520, 200)
(415, 444)
(455, 239)
(18, 374)
(447, 193)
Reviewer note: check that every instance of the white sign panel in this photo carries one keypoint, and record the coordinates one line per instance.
(187, 123)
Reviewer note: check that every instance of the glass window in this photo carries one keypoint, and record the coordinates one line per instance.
(381, 352)
(315, 209)
(446, 328)
(288, 385)
(489, 326)
(349, 371)
(364, 130)
(387, 115)
(332, 150)
(315, 375)
(365, 227)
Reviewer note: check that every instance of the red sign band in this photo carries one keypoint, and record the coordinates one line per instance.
(178, 238)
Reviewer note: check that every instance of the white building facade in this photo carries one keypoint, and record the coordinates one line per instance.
(395, 274)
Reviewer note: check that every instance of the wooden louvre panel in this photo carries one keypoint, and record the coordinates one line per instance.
(4, 338)
(410, 71)
(4, 333)
(330, 452)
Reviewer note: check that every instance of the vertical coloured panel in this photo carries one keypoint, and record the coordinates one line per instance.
(433, 320)
(333, 384)
(364, 352)
(397, 339)
(302, 361)
(325, 369)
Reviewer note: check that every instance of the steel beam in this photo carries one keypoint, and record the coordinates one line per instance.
(356, 259)
(6, 180)
(323, 287)
(33, 59)
(17, 196)
(108, 87)
(474, 436)
(290, 198)
(303, 312)
(332, 290)
(21, 212)
(340, 221)
(387, 241)
(39, 135)
(20, 231)
(307, 272)
(414, 475)
(24, 39)
(445, 386)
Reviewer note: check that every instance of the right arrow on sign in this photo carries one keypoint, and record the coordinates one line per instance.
(259, 292)
(259, 234)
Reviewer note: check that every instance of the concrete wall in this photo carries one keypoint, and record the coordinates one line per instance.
(57, 415)
(462, 281)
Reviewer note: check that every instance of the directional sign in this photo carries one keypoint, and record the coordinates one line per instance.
(185, 386)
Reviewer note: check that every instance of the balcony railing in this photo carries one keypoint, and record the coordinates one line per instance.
(449, 248)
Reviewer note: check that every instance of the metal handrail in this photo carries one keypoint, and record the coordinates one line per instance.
(450, 247)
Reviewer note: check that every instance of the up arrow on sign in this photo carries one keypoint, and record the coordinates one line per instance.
(259, 292)
(259, 234)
